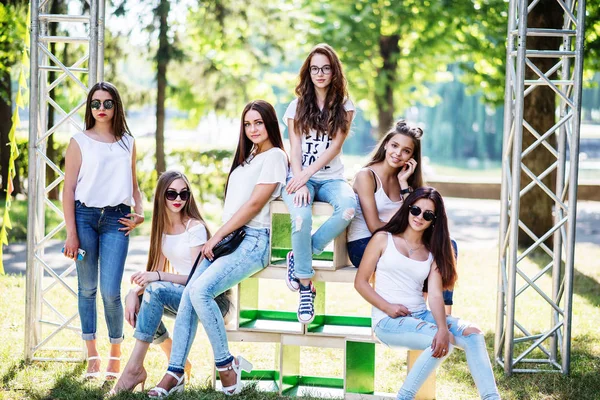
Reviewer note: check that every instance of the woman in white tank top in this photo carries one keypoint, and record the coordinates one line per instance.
(99, 190)
(393, 172)
(413, 248)
(176, 240)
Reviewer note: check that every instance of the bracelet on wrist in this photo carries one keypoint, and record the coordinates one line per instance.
(406, 191)
(159, 278)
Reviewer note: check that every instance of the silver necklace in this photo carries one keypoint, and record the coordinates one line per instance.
(410, 249)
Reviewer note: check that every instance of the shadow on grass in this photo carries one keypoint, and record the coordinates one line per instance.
(11, 373)
(582, 383)
(583, 285)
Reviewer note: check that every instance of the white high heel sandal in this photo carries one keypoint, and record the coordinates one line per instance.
(92, 375)
(178, 388)
(110, 375)
(242, 365)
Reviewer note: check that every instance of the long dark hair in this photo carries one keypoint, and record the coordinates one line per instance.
(244, 148)
(436, 237)
(160, 219)
(119, 124)
(308, 115)
(413, 132)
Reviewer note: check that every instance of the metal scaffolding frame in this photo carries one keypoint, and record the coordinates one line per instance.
(548, 349)
(44, 321)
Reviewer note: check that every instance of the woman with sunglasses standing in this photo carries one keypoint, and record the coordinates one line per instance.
(99, 190)
(256, 177)
(318, 122)
(176, 240)
(412, 247)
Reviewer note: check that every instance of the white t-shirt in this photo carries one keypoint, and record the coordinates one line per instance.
(315, 145)
(270, 166)
(176, 248)
(399, 280)
(104, 177)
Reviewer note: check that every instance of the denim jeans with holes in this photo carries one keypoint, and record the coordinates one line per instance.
(417, 331)
(340, 195)
(159, 298)
(198, 300)
(104, 261)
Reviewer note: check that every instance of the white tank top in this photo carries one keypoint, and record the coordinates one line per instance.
(105, 175)
(176, 248)
(386, 209)
(399, 280)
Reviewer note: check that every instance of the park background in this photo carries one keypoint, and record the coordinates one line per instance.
(185, 69)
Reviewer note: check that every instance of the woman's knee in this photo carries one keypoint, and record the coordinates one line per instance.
(153, 292)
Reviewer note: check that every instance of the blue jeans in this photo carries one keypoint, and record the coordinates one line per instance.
(106, 251)
(159, 298)
(340, 195)
(198, 300)
(417, 331)
(356, 250)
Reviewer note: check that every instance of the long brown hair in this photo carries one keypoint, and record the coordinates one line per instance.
(436, 237)
(244, 148)
(333, 116)
(160, 219)
(119, 124)
(413, 132)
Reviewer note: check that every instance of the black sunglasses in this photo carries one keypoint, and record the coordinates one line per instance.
(427, 215)
(108, 104)
(173, 194)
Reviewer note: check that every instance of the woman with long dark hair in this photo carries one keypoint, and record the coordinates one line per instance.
(176, 239)
(414, 246)
(99, 190)
(256, 177)
(318, 123)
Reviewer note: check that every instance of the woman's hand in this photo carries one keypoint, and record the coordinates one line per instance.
(71, 247)
(302, 197)
(132, 306)
(131, 222)
(207, 250)
(441, 343)
(397, 310)
(143, 278)
(407, 171)
(297, 182)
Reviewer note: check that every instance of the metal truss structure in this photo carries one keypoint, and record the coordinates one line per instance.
(519, 347)
(84, 31)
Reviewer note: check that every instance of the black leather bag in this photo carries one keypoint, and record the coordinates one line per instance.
(227, 245)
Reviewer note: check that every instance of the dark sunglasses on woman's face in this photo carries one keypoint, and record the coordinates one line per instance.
(173, 194)
(95, 104)
(427, 215)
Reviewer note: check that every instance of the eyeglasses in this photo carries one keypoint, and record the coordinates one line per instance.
(427, 215)
(172, 195)
(108, 104)
(325, 69)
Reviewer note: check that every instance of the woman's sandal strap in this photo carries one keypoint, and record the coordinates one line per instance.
(221, 369)
(174, 375)
(161, 392)
(94, 358)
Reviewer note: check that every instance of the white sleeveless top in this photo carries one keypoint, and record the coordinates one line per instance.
(399, 280)
(105, 174)
(386, 209)
(176, 248)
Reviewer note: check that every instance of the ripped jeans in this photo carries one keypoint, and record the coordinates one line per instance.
(416, 332)
(340, 195)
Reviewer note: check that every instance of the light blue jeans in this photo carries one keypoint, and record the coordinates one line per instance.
(198, 300)
(159, 298)
(417, 331)
(340, 195)
(106, 251)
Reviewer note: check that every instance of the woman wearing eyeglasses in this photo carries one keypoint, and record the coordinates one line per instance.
(412, 247)
(318, 123)
(99, 190)
(176, 239)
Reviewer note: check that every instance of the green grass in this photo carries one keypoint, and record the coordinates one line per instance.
(475, 300)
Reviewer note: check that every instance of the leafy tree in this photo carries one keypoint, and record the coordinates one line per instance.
(13, 26)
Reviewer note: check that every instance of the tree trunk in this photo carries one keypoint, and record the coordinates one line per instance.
(162, 58)
(539, 112)
(389, 50)
(5, 116)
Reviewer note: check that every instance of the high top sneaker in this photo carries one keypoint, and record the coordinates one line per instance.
(290, 278)
(306, 308)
